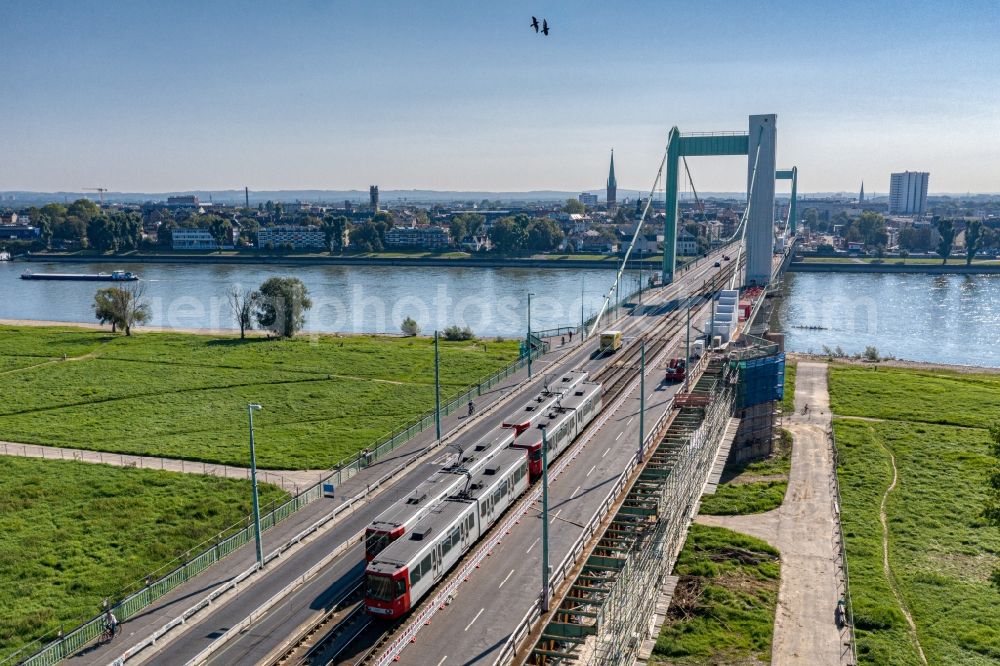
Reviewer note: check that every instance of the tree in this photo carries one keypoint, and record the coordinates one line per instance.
(973, 239)
(122, 307)
(365, 237)
(947, 230)
(574, 206)
(282, 305)
(242, 303)
(454, 333)
(915, 240)
(104, 307)
(543, 235)
(410, 327)
(83, 209)
(457, 228)
(221, 230)
(101, 234)
(811, 219)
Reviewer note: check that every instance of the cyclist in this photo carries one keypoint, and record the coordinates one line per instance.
(472, 408)
(110, 624)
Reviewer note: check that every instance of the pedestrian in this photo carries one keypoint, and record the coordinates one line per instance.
(562, 341)
(471, 408)
(571, 336)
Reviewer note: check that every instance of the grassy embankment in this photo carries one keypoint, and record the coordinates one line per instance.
(758, 485)
(723, 609)
(941, 552)
(184, 396)
(74, 533)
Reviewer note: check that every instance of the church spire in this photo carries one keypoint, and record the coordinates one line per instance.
(612, 184)
(861, 196)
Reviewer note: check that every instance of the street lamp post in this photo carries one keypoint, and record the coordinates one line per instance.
(545, 523)
(253, 480)
(528, 339)
(642, 396)
(437, 386)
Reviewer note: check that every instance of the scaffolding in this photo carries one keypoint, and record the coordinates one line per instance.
(603, 619)
(758, 399)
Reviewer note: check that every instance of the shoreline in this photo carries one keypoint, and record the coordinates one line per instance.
(610, 263)
(929, 269)
(895, 363)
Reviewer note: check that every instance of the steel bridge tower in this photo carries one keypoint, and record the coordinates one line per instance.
(759, 144)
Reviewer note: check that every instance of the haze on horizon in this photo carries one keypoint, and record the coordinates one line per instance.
(464, 96)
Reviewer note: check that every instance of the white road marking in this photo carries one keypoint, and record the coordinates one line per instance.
(629, 421)
(591, 470)
(606, 452)
(474, 619)
(506, 579)
(442, 660)
(618, 437)
(575, 492)
(532, 545)
(555, 516)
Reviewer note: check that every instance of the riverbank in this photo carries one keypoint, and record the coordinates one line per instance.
(896, 267)
(892, 363)
(419, 260)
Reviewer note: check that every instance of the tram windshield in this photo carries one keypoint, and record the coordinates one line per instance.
(384, 588)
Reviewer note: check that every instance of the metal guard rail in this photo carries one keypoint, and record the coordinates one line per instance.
(68, 644)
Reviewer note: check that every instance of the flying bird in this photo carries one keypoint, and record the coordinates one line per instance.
(545, 27)
(534, 23)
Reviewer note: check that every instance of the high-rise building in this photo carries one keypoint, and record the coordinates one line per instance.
(588, 199)
(612, 185)
(908, 193)
(373, 197)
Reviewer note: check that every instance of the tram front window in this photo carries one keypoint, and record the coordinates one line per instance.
(384, 588)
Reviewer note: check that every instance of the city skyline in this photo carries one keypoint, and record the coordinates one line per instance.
(453, 97)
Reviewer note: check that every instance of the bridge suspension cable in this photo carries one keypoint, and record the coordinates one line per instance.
(635, 236)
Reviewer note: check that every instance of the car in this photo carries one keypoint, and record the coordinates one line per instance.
(718, 265)
(725, 257)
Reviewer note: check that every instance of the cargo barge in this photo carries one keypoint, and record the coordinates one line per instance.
(113, 276)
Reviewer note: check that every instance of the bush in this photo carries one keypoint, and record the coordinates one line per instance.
(871, 353)
(409, 327)
(455, 333)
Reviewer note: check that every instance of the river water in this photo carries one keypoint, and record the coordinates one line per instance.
(934, 318)
(353, 299)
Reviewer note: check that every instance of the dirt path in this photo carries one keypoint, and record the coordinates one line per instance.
(290, 480)
(883, 518)
(804, 528)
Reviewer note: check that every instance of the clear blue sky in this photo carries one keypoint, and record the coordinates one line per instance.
(463, 95)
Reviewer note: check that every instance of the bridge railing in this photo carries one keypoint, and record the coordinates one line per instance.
(43, 652)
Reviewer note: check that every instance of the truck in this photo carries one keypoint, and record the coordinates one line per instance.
(611, 341)
(676, 370)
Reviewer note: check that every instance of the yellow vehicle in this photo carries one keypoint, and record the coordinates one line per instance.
(611, 341)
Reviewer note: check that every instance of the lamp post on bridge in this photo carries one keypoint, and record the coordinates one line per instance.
(437, 387)
(253, 481)
(545, 523)
(528, 339)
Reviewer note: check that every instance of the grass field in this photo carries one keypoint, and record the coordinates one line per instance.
(73, 533)
(752, 487)
(940, 551)
(184, 396)
(723, 609)
(788, 402)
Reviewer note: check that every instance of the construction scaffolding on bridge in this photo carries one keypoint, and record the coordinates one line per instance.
(759, 393)
(604, 617)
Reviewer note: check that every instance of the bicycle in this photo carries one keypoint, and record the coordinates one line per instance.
(110, 631)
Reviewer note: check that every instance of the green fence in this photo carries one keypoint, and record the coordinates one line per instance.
(42, 653)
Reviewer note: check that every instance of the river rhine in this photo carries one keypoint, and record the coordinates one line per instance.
(350, 299)
(934, 318)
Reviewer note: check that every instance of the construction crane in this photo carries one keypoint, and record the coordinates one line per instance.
(99, 190)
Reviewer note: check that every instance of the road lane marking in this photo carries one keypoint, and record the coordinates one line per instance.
(555, 516)
(442, 660)
(474, 619)
(575, 492)
(532, 545)
(606, 452)
(506, 579)
(618, 437)
(591, 470)
(628, 422)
